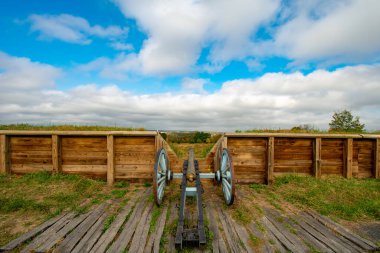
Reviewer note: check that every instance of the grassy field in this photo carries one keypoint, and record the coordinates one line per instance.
(200, 149)
(26, 201)
(348, 199)
(66, 128)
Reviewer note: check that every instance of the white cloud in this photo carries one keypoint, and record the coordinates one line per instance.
(19, 73)
(72, 29)
(121, 46)
(336, 31)
(194, 85)
(321, 31)
(273, 100)
(178, 30)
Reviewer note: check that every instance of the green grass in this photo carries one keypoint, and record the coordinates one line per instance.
(155, 215)
(34, 198)
(242, 214)
(349, 199)
(66, 128)
(201, 150)
(119, 193)
(108, 222)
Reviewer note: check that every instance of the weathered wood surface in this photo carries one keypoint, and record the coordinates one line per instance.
(274, 231)
(78, 133)
(28, 153)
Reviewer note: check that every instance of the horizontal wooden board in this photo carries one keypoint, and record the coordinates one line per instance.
(135, 158)
(363, 158)
(232, 141)
(332, 156)
(122, 141)
(30, 168)
(288, 142)
(92, 170)
(40, 147)
(84, 161)
(134, 148)
(293, 169)
(30, 141)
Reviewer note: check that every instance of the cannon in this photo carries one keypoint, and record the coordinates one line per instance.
(191, 187)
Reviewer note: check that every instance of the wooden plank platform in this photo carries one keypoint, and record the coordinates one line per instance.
(131, 231)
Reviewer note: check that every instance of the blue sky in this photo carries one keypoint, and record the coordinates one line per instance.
(210, 65)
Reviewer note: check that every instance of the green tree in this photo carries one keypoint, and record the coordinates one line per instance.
(344, 121)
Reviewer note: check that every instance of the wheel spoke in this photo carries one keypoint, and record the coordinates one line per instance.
(224, 163)
(160, 190)
(162, 163)
(161, 180)
(227, 184)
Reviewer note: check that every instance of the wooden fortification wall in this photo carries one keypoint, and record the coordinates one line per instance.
(111, 155)
(131, 155)
(261, 157)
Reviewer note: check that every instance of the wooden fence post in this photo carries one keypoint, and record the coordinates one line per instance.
(317, 158)
(4, 157)
(377, 159)
(224, 142)
(348, 153)
(56, 153)
(270, 162)
(110, 160)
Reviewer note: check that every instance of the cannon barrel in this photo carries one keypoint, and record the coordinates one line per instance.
(191, 175)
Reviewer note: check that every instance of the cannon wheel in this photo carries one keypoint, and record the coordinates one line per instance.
(161, 175)
(227, 177)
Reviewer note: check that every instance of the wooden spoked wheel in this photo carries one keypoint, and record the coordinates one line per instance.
(161, 175)
(226, 177)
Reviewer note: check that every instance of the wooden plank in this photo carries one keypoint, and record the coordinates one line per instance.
(169, 246)
(76, 235)
(30, 168)
(40, 239)
(111, 232)
(214, 229)
(4, 156)
(56, 153)
(377, 159)
(30, 141)
(138, 241)
(280, 237)
(333, 240)
(55, 238)
(272, 216)
(110, 160)
(92, 170)
(298, 135)
(312, 236)
(348, 157)
(270, 160)
(159, 230)
(224, 142)
(121, 141)
(91, 237)
(364, 243)
(32, 233)
(79, 133)
(121, 243)
(317, 157)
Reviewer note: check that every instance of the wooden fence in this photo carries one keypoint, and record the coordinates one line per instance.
(131, 155)
(260, 157)
(111, 155)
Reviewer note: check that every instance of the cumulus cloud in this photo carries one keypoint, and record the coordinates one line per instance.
(322, 31)
(19, 73)
(178, 30)
(195, 85)
(72, 29)
(273, 100)
(337, 31)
